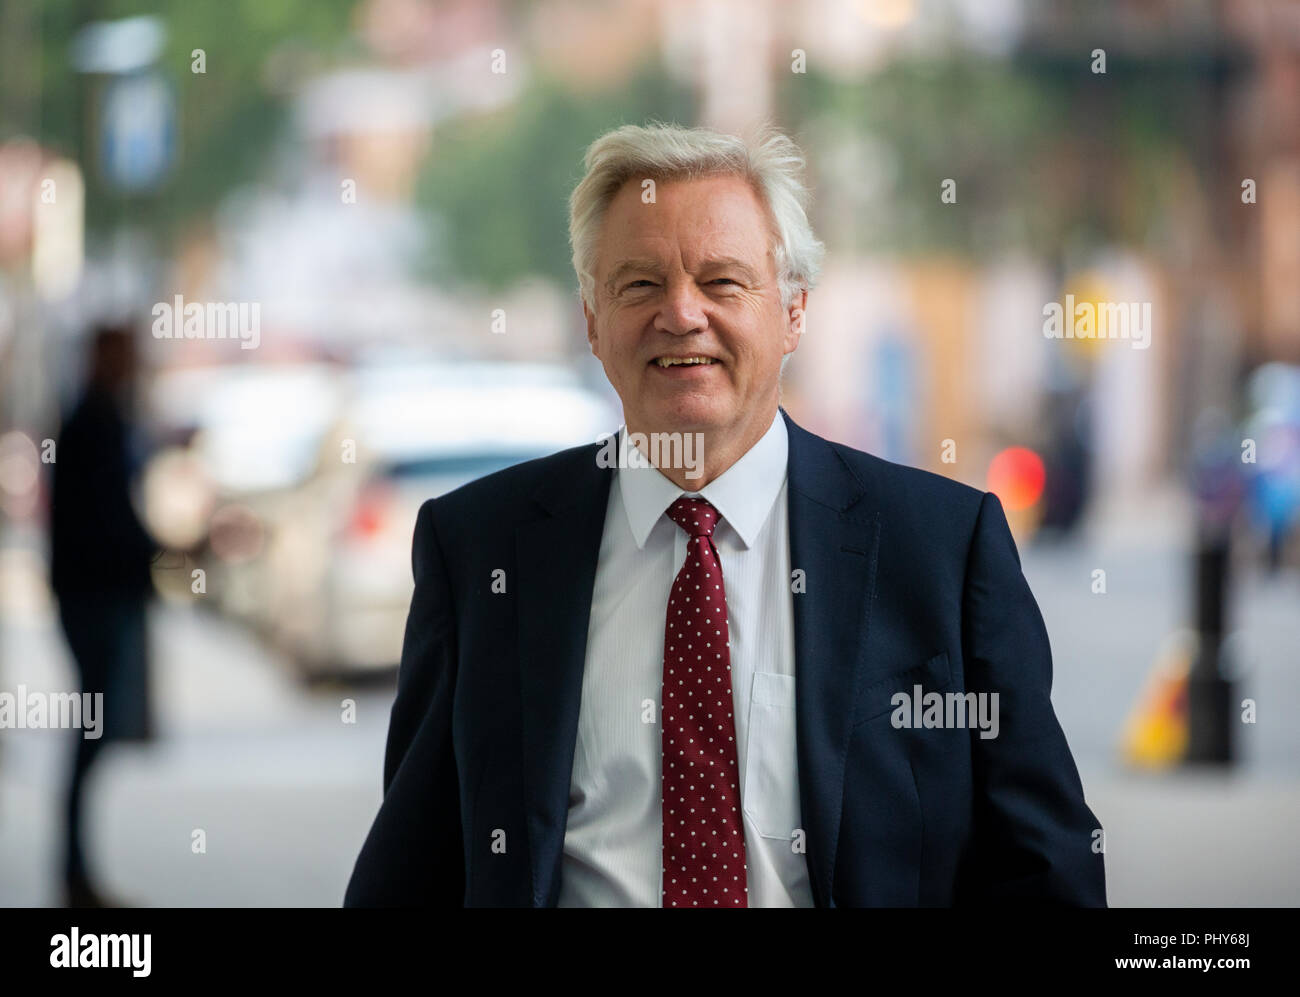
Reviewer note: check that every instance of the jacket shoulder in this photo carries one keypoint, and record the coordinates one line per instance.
(929, 523)
(925, 492)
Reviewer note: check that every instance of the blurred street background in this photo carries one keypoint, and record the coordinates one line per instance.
(379, 188)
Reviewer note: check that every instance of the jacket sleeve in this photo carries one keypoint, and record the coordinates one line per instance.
(414, 855)
(1035, 839)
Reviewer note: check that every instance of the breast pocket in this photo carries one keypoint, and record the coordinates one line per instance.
(771, 792)
(878, 698)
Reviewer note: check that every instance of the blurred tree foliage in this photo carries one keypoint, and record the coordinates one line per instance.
(1047, 157)
(228, 117)
(1045, 154)
(496, 188)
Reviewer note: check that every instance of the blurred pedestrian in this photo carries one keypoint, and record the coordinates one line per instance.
(99, 566)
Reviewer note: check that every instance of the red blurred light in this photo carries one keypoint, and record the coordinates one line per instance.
(369, 513)
(1016, 477)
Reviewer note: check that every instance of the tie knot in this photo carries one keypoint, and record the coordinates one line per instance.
(696, 516)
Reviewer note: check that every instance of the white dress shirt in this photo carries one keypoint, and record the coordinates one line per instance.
(613, 843)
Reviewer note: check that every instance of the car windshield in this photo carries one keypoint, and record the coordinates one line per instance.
(466, 466)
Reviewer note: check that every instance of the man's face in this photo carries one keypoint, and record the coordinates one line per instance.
(691, 276)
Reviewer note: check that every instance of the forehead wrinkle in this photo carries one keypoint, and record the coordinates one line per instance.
(717, 223)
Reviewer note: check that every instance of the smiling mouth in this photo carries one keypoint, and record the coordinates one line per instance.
(701, 361)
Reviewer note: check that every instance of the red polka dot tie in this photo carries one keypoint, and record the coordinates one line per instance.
(703, 833)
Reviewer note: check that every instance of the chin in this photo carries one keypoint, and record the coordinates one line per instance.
(696, 414)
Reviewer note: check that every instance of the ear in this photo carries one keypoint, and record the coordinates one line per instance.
(590, 318)
(795, 317)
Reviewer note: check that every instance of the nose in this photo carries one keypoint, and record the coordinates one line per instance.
(682, 311)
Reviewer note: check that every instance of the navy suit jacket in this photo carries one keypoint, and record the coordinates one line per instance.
(909, 579)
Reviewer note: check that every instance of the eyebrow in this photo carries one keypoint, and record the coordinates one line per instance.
(624, 267)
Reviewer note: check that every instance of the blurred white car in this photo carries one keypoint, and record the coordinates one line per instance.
(308, 477)
(255, 434)
(337, 555)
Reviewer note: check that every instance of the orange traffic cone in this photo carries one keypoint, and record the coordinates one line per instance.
(1155, 734)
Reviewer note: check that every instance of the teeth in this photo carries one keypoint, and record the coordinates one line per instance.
(678, 361)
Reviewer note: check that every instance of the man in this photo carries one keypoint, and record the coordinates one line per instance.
(679, 685)
(100, 556)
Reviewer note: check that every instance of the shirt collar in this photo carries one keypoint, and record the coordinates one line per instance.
(743, 494)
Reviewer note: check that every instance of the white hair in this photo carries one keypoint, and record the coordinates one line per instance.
(769, 161)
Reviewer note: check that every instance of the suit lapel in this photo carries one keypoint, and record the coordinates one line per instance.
(834, 540)
(557, 554)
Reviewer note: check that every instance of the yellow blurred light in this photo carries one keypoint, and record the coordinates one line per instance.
(888, 14)
(58, 248)
(1088, 288)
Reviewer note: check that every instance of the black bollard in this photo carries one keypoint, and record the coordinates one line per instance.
(1209, 692)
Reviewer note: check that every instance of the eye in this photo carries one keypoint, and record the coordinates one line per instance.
(647, 283)
(722, 280)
